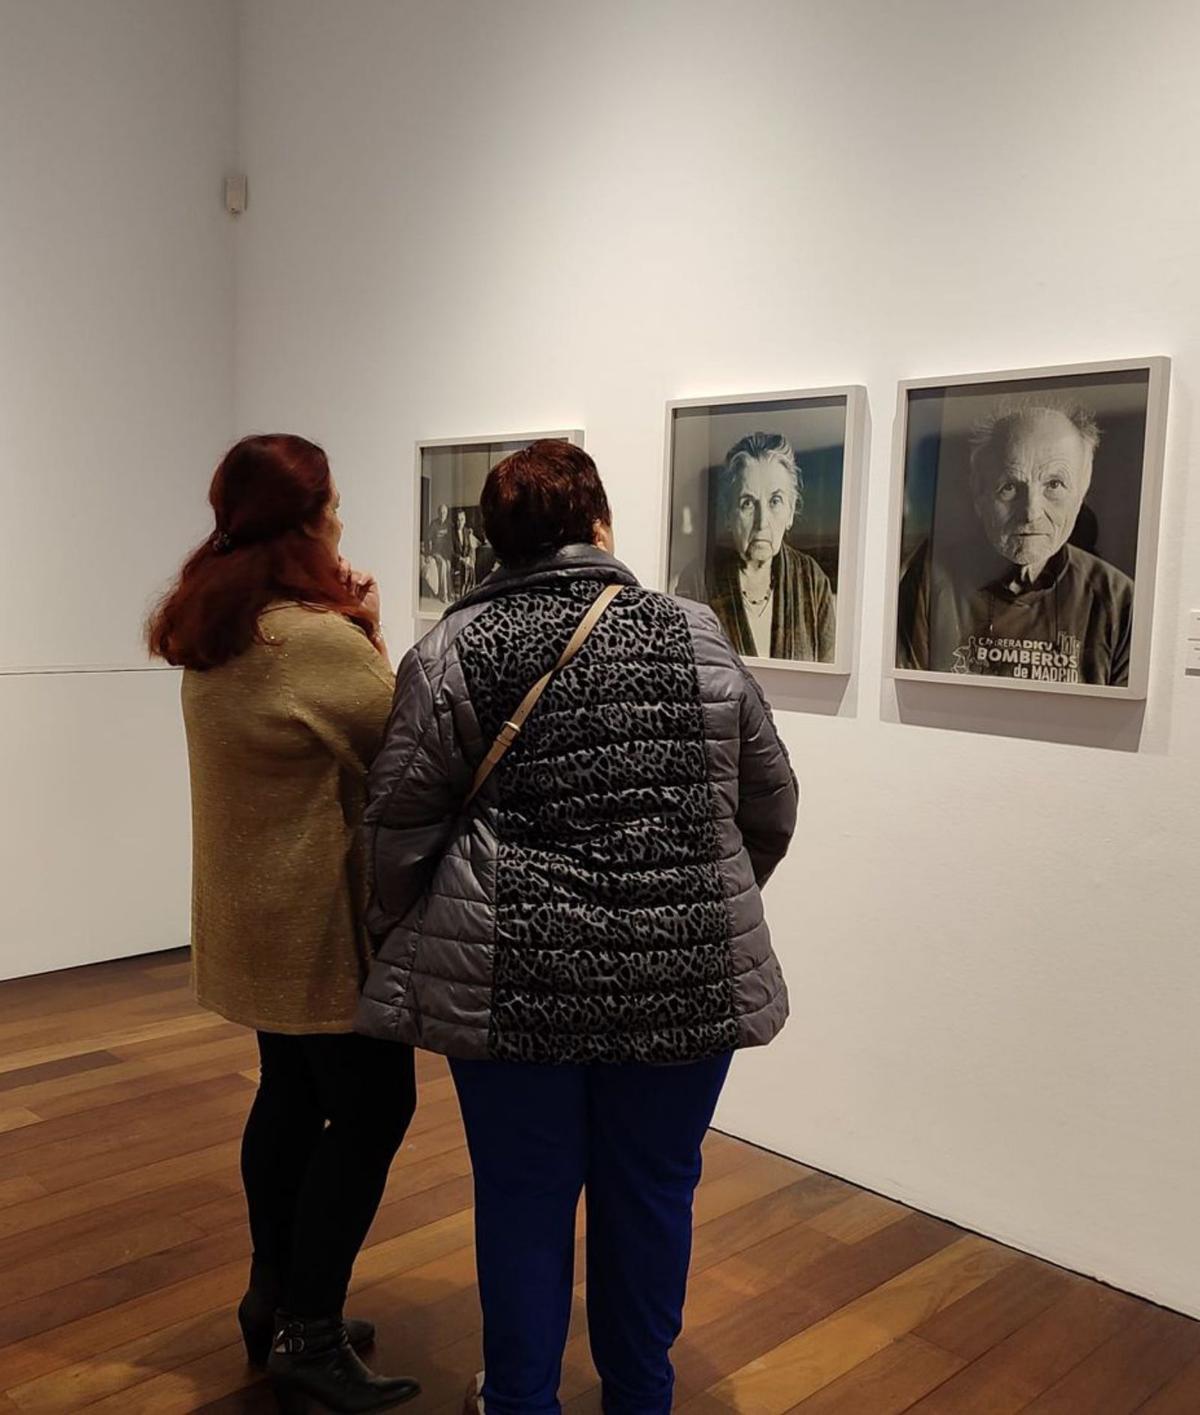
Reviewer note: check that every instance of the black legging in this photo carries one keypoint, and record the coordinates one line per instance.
(329, 1116)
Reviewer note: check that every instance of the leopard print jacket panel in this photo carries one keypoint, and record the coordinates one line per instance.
(599, 901)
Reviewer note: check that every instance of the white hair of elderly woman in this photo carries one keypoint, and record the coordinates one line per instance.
(762, 447)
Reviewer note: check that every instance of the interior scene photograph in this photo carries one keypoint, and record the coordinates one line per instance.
(600, 703)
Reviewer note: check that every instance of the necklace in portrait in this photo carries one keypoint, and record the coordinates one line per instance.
(758, 605)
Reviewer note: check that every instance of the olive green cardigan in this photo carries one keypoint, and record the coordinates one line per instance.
(279, 742)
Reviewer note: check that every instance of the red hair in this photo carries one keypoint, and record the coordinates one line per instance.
(268, 495)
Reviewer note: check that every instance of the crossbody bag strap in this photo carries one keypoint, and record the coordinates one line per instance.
(511, 730)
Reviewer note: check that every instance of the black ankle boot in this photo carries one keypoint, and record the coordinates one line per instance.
(313, 1366)
(256, 1316)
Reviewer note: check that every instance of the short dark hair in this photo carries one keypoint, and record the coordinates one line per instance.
(545, 496)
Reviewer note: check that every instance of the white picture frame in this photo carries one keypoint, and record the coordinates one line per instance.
(1063, 379)
(495, 448)
(854, 399)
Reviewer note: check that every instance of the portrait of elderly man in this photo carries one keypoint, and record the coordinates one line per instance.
(1016, 598)
(773, 600)
(437, 554)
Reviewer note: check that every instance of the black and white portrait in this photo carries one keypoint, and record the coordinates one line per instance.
(453, 553)
(757, 518)
(1023, 500)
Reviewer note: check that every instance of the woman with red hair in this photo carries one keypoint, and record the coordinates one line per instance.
(286, 693)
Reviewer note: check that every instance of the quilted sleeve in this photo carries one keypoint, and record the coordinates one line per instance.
(413, 796)
(768, 793)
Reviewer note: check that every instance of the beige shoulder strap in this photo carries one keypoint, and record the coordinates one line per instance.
(511, 730)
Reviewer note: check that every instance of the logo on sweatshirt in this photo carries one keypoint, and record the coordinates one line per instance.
(1038, 660)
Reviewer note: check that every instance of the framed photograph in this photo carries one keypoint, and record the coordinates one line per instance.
(761, 520)
(452, 552)
(1025, 527)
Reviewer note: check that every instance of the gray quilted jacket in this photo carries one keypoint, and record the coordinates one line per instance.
(599, 901)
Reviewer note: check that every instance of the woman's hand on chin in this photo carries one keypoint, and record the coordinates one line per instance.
(363, 586)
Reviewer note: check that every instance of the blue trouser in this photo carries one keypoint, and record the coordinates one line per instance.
(631, 1136)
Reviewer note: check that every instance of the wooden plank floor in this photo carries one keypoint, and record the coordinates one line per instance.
(123, 1251)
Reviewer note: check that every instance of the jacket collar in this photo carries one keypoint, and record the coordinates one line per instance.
(570, 562)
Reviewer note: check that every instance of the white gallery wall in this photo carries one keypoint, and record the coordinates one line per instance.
(117, 123)
(471, 217)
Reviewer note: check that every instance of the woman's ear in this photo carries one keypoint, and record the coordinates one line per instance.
(602, 537)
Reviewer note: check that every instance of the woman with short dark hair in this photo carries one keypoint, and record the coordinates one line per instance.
(286, 692)
(567, 905)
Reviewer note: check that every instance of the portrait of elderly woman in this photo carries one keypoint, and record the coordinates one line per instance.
(1021, 555)
(772, 599)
